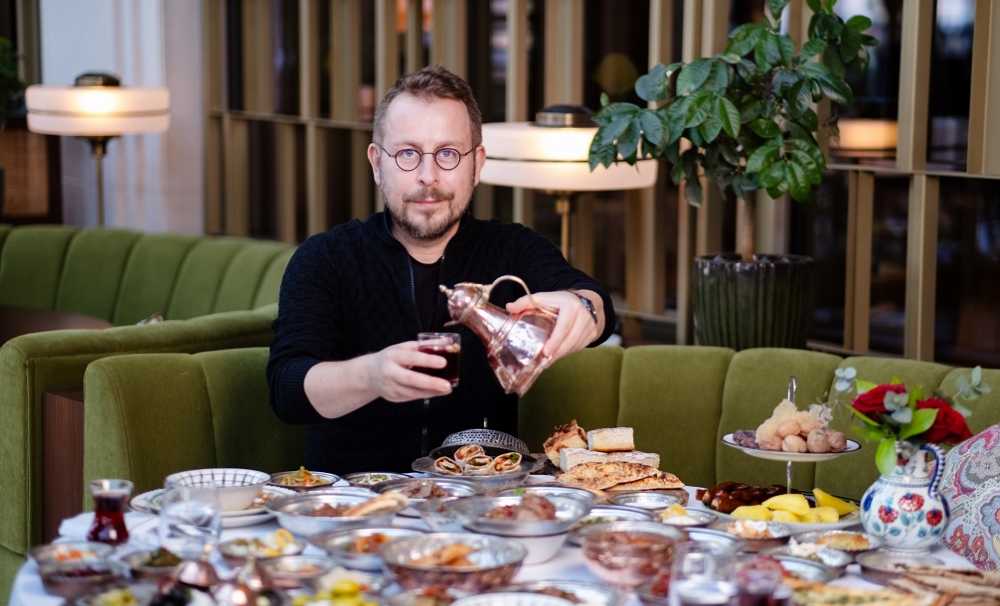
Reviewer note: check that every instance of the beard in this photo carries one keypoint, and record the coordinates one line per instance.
(416, 223)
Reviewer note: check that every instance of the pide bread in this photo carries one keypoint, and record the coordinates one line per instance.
(611, 439)
(571, 457)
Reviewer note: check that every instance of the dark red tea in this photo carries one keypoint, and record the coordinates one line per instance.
(109, 515)
(452, 354)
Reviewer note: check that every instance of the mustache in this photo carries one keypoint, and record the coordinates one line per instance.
(429, 194)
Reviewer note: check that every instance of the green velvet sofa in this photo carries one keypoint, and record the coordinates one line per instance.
(214, 293)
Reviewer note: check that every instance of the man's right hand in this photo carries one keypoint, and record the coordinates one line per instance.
(390, 374)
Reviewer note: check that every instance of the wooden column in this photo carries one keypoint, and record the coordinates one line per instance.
(236, 133)
(286, 185)
(914, 71)
(448, 35)
(315, 136)
(984, 122)
(258, 50)
(517, 92)
(857, 287)
(921, 267)
(62, 460)
(29, 45)
(386, 47)
(214, 80)
(345, 31)
(414, 36)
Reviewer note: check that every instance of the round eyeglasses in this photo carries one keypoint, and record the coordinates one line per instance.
(408, 159)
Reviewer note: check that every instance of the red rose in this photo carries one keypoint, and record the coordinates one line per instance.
(872, 402)
(949, 426)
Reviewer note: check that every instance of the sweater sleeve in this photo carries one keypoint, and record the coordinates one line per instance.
(305, 331)
(544, 269)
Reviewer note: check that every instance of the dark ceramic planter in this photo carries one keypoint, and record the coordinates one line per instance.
(766, 302)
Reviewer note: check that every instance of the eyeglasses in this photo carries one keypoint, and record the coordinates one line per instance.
(408, 159)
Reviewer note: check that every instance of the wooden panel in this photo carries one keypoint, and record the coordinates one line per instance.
(237, 200)
(517, 92)
(563, 52)
(984, 125)
(213, 66)
(29, 41)
(345, 81)
(317, 216)
(857, 287)
(715, 26)
(62, 460)
(286, 183)
(309, 59)
(582, 249)
(386, 47)
(213, 175)
(414, 36)
(921, 267)
(25, 157)
(914, 71)
(258, 50)
(361, 180)
(448, 35)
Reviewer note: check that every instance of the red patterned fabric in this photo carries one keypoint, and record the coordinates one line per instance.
(971, 486)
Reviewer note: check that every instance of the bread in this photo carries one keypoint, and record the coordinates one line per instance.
(571, 457)
(601, 476)
(570, 435)
(636, 456)
(659, 481)
(611, 439)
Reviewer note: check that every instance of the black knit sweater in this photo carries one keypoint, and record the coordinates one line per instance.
(349, 292)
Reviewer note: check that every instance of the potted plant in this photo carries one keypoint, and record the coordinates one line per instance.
(746, 119)
(11, 94)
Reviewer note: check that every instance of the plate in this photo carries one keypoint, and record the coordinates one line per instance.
(586, 594)
(794, 457)
(814, 536)
(325, 480)
(149, 502)
(807, 570)
(848, 521)
(650, 501)
(607, 513)
(529, 464)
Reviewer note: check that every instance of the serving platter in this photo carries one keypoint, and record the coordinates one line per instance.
(790, 457)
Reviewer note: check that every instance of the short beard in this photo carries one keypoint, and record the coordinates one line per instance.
(417, 232)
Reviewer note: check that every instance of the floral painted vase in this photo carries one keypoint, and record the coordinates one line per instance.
(904, 508)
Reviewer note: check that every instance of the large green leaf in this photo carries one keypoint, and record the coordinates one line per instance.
(767, 52)
(774, 176)
(699, 109)
(710, 128)
(652, 127)
(921, 422)
(776, 6)
(885, 456)
(729, 116)
(762, 157)
(744, 38)
(813, 172)
(616, 128)
(718, 77)
(798, 181)
(765, 129)
(813, 47)
(629, 140)
(751, 111)
(859, 23)
(693, 76)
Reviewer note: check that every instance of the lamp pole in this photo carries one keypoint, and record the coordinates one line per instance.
(99, 148)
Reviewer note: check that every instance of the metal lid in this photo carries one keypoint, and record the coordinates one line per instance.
(564, 115)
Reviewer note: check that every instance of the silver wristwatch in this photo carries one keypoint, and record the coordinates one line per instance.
(588, 305)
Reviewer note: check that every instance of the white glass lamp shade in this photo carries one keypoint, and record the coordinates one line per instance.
(865, 134)
(97, 111)
(521, 154)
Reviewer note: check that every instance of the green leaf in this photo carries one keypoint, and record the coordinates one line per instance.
(859, 23)
(776, 6)
(718, 77)
(765, 129)
(815, 6)
(729, 116)
(693, 76)
(885, 456)
(813, 47)
(615, 129)
(767, 52)
(652, 127)
(710, 128)
(699, 109)
(798, 181)
(629, 140)
(692, 192)
(864, 386)
(743, 39)
(813, 173)
(864, 418)
(751, 111)
(921, 422)
(730, 58)
(650, 88)
(604, 99)
(774, 176)
(786, 47)
(810, 147)
(762, 157)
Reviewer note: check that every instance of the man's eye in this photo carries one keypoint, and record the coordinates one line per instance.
(407, 154)
(447, 153)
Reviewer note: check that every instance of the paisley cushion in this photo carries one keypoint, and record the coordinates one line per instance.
(971, 486)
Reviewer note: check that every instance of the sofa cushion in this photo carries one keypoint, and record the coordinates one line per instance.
(245, 274)
(5, 230)
(149, 276)
(92, 272)
(582, 386)
(672, 395)
(31, 264)
(756, 382)
(200, 275)
(850, 478)
(267, 291)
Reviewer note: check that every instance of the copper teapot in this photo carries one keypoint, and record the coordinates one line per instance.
(513, 342)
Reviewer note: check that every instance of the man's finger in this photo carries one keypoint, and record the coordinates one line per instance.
(563, 324)
(424, 382)
(519, 305)
(419, 359)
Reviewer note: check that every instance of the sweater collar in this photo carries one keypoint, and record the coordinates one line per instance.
(379, 224)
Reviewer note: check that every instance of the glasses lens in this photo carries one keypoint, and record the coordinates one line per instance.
(408, 159)
(447, 158)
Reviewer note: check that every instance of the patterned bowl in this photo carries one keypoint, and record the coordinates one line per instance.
(237, 488)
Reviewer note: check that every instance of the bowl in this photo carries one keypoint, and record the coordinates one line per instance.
(577, 592)
(341, 545)
(650, 501)
(493, 561)
(717, 537)
(693, 518)
(543, 539)
(438, 516)
(355, 490)
(71, 551)
(236, 551)
(296, 571)
(237, 488)
(68, 579)
(422, 596)
(418, 490)
(293, 513)
(805, 569)
(656, 591)
(629, 553)
(294, 479)
(757, 535)
(371, 478)
(848, 541)
(831, 558)
(550, 490)
(601, 514)
(512, 598)
(151, 564)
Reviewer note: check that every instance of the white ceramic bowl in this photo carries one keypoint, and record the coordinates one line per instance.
(237, 488)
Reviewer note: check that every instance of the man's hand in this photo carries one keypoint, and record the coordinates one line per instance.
(390, 375)
(575, 327)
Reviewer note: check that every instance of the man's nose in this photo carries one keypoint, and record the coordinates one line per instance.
(427, 172)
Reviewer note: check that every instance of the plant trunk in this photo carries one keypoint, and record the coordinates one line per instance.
(745, 232)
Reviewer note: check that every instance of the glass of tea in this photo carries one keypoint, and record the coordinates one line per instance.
(702, 574)
(448, 345)
(110, 501)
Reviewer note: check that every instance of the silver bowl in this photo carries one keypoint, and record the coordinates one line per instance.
(325, 480)
(778, 532)
(629, 553)
(717, 537)
(590, 594)
(495, 561)
(602, 514)
(293, 513)
(363, 491)
(339, 545)
(550, 490)
(70, 551)
(806, 569)
(650, 501)
(371, 478)
(236, 551)
(692, 519)
(487, 437)
(831, 558)
(452, 489)
(816, 536)
(295, 571)
(438, 516)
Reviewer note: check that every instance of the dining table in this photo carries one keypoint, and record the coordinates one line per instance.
(568, 564)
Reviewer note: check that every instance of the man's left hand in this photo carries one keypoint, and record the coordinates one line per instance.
(575, 328)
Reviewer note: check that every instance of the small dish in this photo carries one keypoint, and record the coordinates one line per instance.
(550, 490)
(880, 566)
(629, 553)
(577, 592)
(438, 516)
(71, 551)
(757, 535)
(371, 478)
(691, 518)
(650, 501)
(491, 561)
(717, 537)
(360, 548)
(831, 558)
(237, 488)
(303, 479)
(298, 513)
(512, 598)
(68, 579)
(842, 540)
(418, 490)
(151, 564)
(602, 514)
(279, 543)
(806, 570)
(293, 572)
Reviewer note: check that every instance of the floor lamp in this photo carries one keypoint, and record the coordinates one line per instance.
(97, 108)
(550, 154)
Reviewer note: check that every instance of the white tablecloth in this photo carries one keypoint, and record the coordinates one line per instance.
(568, 564)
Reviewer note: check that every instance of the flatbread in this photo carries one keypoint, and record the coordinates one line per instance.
(601, 476)
(660, 481)
(569, 435)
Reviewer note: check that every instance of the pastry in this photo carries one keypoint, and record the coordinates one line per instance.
(469, 450)
(448, 466)
(611, 439)
(570, 435)
(509, 461)
(661, 480)
(601, 476)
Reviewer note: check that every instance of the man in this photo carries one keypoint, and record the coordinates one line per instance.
(344, 357)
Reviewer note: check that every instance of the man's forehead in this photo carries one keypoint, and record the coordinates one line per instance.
(430, 121)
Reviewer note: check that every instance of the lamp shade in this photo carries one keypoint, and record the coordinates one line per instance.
(97, 111)
(865, 134)
(522, 154)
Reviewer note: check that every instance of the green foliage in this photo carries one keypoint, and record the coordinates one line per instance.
(11, 86)
(748, 112)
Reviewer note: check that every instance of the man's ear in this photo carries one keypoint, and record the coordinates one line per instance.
(480, 157)
(373, 152)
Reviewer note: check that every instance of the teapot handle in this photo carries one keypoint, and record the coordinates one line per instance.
(507, 277)
(938, 455)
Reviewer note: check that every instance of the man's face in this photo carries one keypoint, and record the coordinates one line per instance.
(426, 202)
